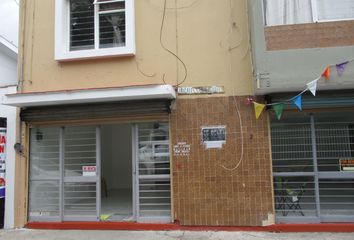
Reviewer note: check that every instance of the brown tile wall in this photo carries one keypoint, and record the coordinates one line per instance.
(311, 35)
(203, 192)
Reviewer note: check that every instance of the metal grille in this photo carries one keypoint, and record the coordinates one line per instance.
(294, 196)
(44, 173)
(309, 180)
(80, 149)
(154, 171)
(337, 196)
(335, 140)
(291, 145)
(79, 199)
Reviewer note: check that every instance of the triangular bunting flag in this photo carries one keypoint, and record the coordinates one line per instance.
(278, 109)
(341, 68)
(298, 102)
(312, 86)
(327, 73)
(258, 109)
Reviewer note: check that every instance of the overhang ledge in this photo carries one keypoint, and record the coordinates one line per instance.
(33, 99)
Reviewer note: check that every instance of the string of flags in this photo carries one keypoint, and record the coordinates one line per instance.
(278, 107)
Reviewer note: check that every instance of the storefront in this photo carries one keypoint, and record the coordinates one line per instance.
(105, 172)
(98, 155)
(313, 156)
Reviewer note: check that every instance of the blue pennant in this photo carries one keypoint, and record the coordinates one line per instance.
(298, 102)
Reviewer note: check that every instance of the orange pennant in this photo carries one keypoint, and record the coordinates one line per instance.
(326, 73)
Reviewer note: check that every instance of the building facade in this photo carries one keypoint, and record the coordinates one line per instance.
(303, 64)
(8, 121)
(139, 111)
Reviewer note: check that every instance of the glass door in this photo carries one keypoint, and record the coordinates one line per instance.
(81, 186)
(153, 201)
(64, 180)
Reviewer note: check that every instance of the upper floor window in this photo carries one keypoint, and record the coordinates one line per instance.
(282, 12)
(94, 28)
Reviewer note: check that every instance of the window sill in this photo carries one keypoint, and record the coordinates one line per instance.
(94, 53)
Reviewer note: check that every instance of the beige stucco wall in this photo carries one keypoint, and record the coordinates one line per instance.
(210, 36)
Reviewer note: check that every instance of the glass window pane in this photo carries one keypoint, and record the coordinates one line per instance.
(112, 30)
(112, 6)
(43, 199)
(335, 10)
(44, 153)
(82, 34)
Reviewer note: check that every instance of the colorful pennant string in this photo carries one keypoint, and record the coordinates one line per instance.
(341, 68)
(298, 102)
(327, 73)
(278, 107)
(258, 108)
(312, 86)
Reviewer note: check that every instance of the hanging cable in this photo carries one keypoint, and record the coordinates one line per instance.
(242, 140)
(180, 8)
(143, 73)
(169, 51)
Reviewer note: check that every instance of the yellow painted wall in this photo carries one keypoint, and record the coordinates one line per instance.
(210, 36)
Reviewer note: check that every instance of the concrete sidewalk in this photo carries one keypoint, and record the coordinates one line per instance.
(26, 234)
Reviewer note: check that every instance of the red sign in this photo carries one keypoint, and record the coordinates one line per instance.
(88, 171)
(346, 165)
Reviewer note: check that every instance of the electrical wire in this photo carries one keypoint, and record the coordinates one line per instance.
(143, 73)
(242, 139)
(180, 8)
(233, 25)
(168, 50)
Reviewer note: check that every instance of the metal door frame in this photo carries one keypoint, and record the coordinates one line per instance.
(162, 219)
(135, 183)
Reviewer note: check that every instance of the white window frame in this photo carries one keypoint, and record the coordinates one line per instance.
(62, 35)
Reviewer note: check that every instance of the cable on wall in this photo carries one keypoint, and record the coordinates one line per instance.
(180, 8)
(242, 139)
(141, 71)
(169, 51)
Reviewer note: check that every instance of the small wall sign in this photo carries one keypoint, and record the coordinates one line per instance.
(88, 171)
(181, 149)
(200, 90)
(346, 165)
(214, 136)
